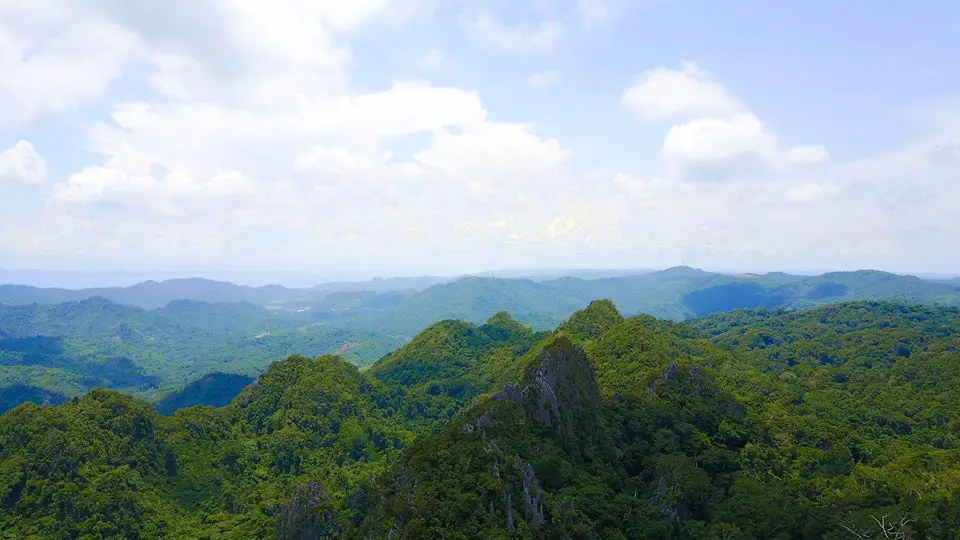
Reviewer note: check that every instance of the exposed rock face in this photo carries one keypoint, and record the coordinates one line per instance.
(559, 387)
(309, 516)
(532, 496)
(559, 392)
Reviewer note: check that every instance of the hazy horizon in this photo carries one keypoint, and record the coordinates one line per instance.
(81, 279)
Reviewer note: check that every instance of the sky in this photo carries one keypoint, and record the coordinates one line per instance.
(401, 137)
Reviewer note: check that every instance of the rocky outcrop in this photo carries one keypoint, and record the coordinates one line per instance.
(532, 495)
(308, 516)
(559, 394)
(559, 387)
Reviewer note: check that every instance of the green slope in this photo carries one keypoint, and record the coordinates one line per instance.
(67, 349)
(750, 424)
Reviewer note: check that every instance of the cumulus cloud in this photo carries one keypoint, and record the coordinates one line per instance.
(21, 163)
(689, 92)
(277, 154)
(55, 55)
(718, 137)
(255, 149)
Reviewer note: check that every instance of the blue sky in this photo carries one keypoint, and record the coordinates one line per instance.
(417, 136)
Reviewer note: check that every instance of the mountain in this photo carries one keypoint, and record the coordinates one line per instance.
(96, 319)
(476, 299)
(154, 294)
(550, 457)
(48, 352)
(383, 285)
(224, 319)
(667, 434)
(677, 293)
(70, 347)
(446, 366)
(831, 423)
(151, 294)
(213, 389)
(542, 275)
(954, 281)
(865, 285)
(405, 305)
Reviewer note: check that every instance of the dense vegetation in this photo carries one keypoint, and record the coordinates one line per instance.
(57, 343)
(832, 423)
(48, 352)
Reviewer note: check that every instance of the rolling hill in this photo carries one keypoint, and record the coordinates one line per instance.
(50, 352)
(678, 294)
(750, 424)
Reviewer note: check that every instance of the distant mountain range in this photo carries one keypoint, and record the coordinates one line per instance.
(154, 338)
(675, 293)
(154, 294)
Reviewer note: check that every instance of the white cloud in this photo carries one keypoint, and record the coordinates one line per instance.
(55, 55)
(297, 166)
(21, 163)
(689, 92)
(719, 138)
(706, 145)
(257, 151)
(520, 38)
(127, 186)
(544, 79)
(721, 148)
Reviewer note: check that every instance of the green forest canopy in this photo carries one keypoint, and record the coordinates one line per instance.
(824, 423)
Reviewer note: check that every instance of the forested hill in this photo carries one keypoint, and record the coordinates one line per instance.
(410, 304)
(49, 353)
(154, 294)
(53, 351)
(827, 423)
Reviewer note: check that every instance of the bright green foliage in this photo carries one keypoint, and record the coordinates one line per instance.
(629, 352)
(694, 440)
(74, 341)
(83, 469)
(439, 352)
(214, 389)
(550, 459)
(67, 349)
(593, 321)
(449, 364)
(750, 425)
(106, 465)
